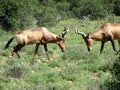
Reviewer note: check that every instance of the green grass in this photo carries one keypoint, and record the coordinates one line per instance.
(75, 69)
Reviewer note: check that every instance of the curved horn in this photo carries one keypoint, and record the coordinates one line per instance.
(81, 33)
(64, 31)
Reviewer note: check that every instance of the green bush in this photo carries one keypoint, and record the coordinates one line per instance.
(46, 16)
(113, 19)
(113, 83)
(91, 9)
(75, 53)
(16, 15)
(22, 14)
(9, 14)
(16, 69)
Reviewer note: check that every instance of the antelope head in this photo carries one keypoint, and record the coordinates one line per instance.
(61, 39)
(87, 38)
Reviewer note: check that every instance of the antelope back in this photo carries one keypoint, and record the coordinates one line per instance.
(54, 38)
(29, 36)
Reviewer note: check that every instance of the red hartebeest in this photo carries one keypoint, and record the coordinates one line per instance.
(107, 32)
(37, 36)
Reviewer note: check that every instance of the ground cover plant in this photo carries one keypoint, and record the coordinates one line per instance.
(75, 69)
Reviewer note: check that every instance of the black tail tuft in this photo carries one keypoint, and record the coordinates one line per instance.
(8, 43)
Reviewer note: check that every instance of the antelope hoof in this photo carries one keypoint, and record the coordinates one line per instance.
(117, 52)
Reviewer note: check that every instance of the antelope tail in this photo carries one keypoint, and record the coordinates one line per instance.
(8, 43)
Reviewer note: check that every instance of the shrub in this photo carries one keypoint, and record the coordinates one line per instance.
(45, 17)
(16, 69)
(75, 53)
(9, 14)
(15, 72)
(114, 82)
(92, 9)
(113, 19)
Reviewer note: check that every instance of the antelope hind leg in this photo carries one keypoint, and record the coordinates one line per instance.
(17, 48)
(35, 52)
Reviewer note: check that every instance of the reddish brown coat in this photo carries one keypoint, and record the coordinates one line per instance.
(107, 32)
(37, 36)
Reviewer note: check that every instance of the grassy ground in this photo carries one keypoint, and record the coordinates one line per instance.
(75, 69)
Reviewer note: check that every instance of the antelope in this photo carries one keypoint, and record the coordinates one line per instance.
(107, 32)
(39, 36)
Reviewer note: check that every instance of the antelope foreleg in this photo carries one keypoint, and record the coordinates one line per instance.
(102, 46)
(113, 44)
(46, 50)
(35, 52)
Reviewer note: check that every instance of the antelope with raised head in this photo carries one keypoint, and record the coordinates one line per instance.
(39, 36)
(107, 32)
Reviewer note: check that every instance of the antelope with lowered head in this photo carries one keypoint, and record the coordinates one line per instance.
(107, 32)
(39, 36)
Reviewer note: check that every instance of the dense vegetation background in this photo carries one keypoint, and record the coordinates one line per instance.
(23, 14)
(76, 69)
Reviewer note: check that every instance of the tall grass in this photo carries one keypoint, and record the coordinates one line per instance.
(75, 69)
